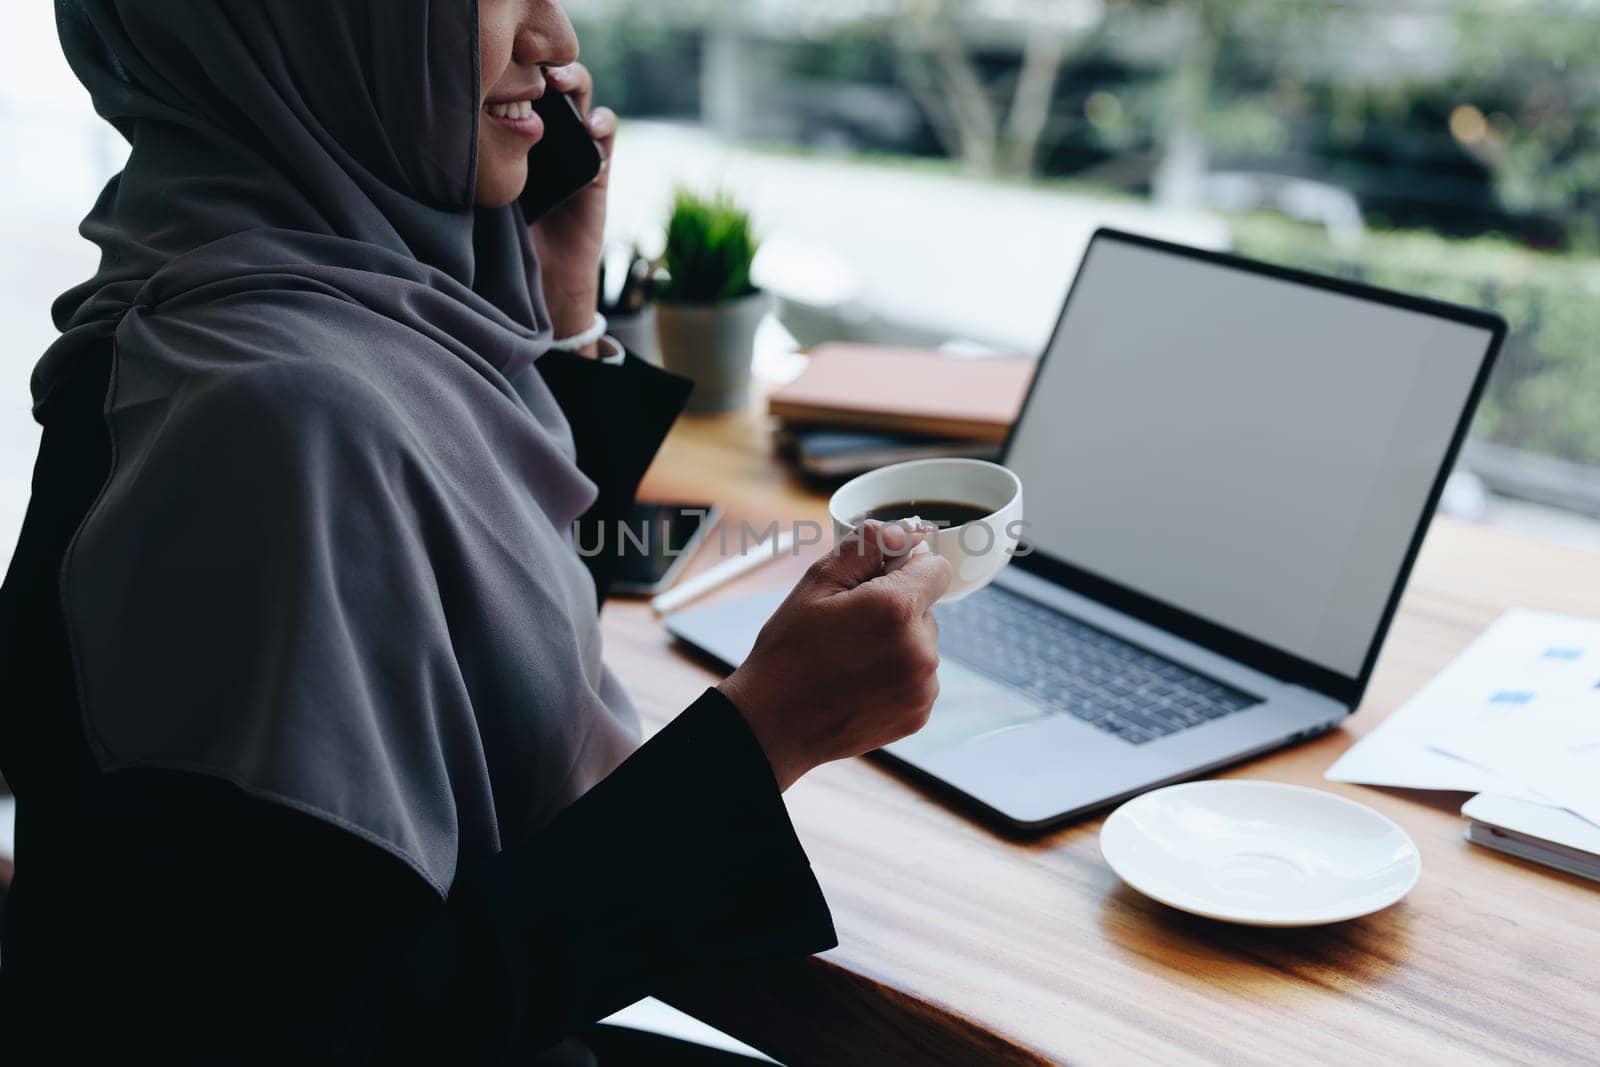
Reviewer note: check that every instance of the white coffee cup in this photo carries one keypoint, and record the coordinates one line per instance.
(977, 550)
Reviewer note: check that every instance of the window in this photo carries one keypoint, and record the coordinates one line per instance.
(1445, 147)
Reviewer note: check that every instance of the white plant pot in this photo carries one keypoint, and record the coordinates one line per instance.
(713, 345)
(637, 332)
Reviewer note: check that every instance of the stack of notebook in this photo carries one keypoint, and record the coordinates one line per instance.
(857, 407)
(1534, 832)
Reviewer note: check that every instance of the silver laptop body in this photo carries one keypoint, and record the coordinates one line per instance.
(1228, 470)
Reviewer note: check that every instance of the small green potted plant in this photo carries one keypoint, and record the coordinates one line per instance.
(707, 307)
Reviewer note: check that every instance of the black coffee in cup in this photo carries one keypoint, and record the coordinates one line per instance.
(945, 514)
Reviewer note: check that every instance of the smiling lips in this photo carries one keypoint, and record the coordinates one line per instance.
(515, 109)
(518, 117)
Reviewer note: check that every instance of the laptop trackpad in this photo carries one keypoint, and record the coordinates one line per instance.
(970, 708)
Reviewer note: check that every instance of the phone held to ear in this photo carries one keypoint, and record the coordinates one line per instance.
(564, 161)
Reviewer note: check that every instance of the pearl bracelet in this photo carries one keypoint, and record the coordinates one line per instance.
(579, 341)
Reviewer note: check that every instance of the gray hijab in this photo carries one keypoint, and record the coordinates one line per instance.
(332, 562)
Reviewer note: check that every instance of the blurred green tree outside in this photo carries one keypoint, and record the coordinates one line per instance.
(1467, 131)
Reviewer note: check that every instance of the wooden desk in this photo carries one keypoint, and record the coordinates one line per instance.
(959, 946)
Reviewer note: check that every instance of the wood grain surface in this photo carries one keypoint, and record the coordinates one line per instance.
(959, 945)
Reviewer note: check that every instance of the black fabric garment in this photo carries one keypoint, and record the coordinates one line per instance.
(606, 422)
(167, 913)
(183, 919)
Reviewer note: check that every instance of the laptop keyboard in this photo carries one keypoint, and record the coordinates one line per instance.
(1070, 666)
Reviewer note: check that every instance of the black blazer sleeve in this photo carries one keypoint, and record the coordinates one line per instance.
(214, 927)
(683, 869)
(661, 869)
(619, 415)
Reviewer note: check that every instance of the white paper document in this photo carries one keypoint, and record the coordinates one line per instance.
(8, 827)
(1527, 665)
(1554, 749)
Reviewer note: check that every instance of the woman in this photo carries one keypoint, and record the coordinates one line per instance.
(314, 752)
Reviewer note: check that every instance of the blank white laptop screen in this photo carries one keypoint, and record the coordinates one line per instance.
(1252, 450)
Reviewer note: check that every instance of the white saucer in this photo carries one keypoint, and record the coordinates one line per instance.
(1260, 853)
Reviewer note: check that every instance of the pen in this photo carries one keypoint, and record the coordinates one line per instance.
(723, 573)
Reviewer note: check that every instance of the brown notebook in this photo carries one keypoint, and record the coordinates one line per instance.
(907, 390)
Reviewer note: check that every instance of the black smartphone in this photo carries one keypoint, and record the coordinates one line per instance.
(660, 540)
(564, 161)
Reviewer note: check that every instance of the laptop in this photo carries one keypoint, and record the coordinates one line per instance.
(1228, 469)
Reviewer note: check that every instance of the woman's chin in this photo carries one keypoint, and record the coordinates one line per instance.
(500, 183)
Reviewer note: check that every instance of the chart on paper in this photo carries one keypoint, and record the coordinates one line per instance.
(1525, 694)
(1554, 749)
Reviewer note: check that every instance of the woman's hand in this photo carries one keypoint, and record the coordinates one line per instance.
(847, 663)
(569, 239)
